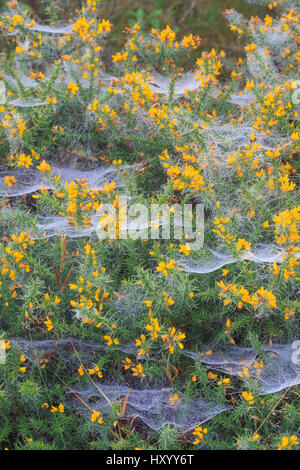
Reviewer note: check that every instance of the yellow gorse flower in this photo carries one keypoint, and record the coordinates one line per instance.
(248, 397)
(165, 267)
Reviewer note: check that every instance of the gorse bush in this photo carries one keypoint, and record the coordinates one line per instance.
(135, 343)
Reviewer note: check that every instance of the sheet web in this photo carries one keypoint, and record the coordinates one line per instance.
(152, 405)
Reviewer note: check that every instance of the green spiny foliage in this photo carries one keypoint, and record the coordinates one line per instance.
(124, 343)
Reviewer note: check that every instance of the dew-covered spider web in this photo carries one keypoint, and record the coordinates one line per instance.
(278, 371)
(152, 406)
(224, 139)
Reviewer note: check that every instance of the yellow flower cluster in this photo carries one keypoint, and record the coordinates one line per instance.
(288, 442)
(240, 295)
(199, 432)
